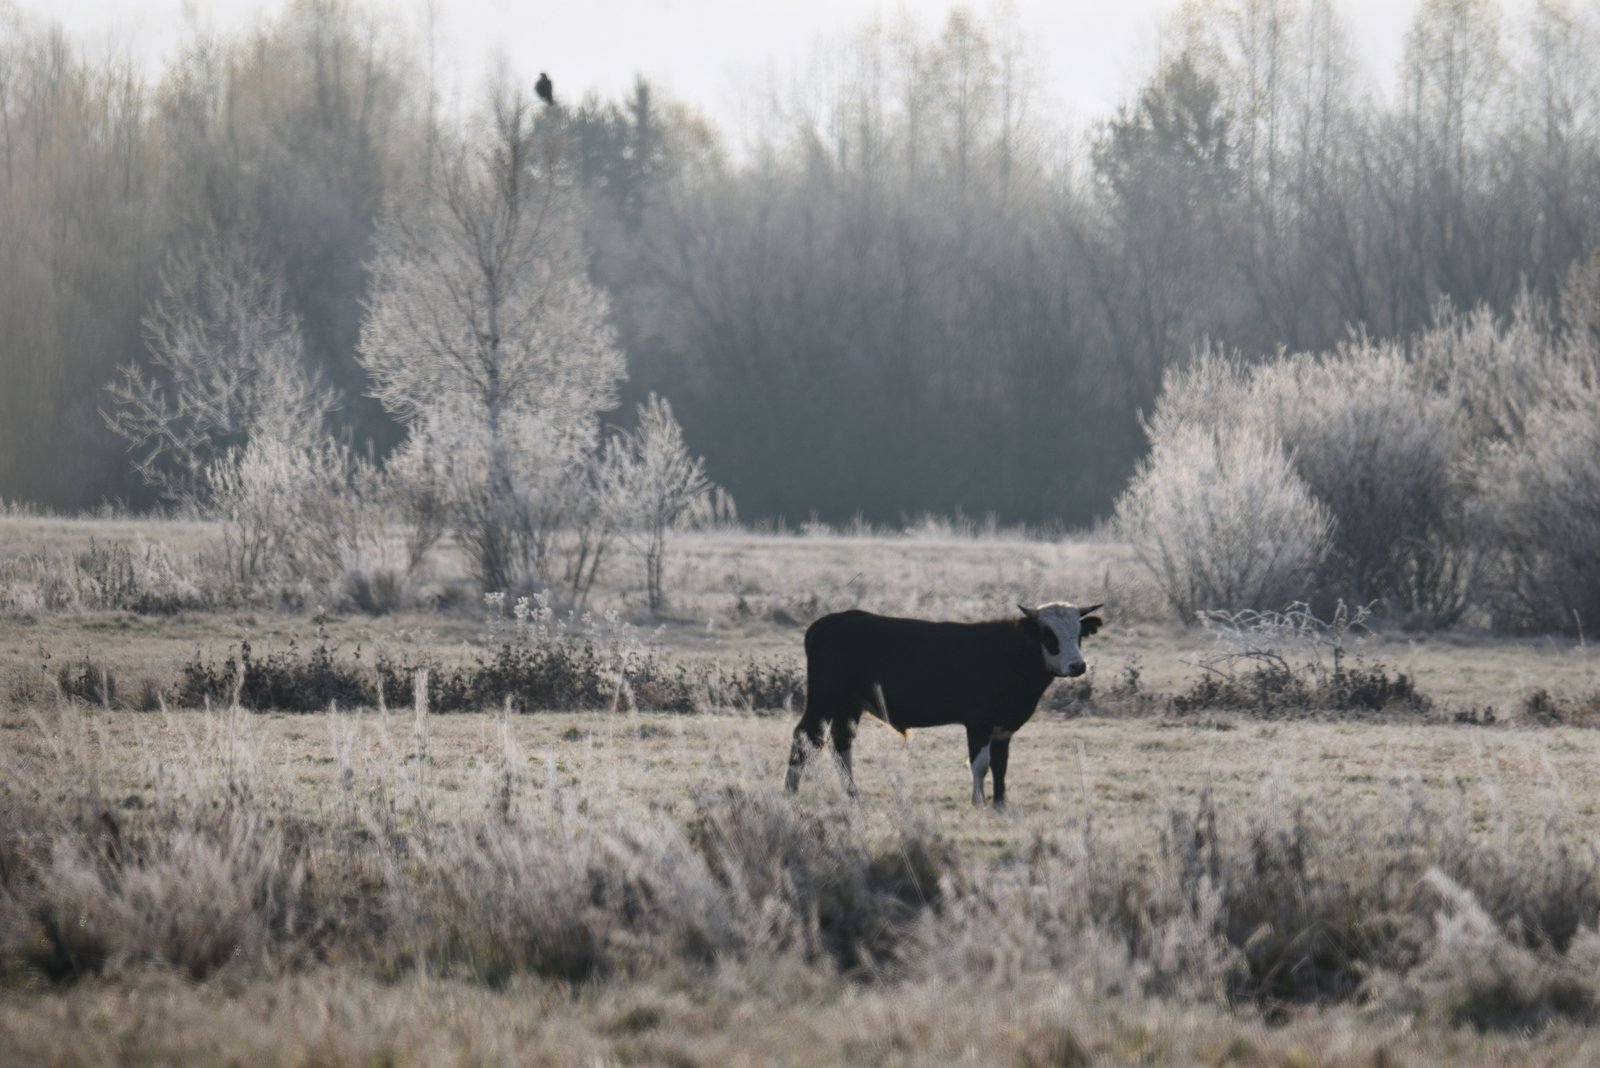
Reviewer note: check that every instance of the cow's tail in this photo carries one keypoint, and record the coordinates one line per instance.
(881, 706)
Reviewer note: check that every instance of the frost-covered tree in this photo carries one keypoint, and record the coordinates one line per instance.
(226, 365)
(652, 485)
(227, 419)
(482, 313)
(444, 475)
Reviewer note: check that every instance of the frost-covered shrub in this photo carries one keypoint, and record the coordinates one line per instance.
(306, 515)
(1538, 480)
(1540, 506)
(1222, 520)
(579, 532)
(1292, 663)
(1579, 306)
(339, 520)
(1210, 390)
(1495, 372)
(1386, 457)
(419, 494)
(246, 489)
(1379, 445)
(227, 363)
(652, 485)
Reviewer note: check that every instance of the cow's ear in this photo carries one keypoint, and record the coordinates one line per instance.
(1031, 613)
(1087, 625)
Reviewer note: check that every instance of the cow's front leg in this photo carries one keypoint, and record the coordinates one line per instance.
(807, 739)
(978, 757)
(999, 754)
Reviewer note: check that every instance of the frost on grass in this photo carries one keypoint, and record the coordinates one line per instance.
(227, 869)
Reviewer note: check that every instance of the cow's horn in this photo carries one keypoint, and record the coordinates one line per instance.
(1031, 613)
(1091, 608)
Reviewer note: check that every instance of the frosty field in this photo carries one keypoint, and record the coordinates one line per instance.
(1212, 886)
(418, 477)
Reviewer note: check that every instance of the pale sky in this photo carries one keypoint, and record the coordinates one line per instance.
(1088, 55)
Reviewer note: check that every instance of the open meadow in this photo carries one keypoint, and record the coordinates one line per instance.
(430, 433)
(1258, 874)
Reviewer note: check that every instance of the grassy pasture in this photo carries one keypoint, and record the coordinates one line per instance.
(1117, 781)
(1119, 775)
(421, 847)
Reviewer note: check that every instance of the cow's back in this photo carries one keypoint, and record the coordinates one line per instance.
(861, 646)
(928, 672)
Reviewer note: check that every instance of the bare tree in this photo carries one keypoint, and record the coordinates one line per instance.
(652, 486)
(481, 301)
(225, 365)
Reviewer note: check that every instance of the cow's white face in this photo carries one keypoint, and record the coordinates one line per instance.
(1060, 627)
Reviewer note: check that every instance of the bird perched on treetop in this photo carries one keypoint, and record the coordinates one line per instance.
(546, 91)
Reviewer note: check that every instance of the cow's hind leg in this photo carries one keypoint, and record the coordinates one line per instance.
(807, 740)
(844, 736)
(978, 757)
(999, 756)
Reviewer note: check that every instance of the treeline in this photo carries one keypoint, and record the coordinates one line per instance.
(914, 291)
(285, 141)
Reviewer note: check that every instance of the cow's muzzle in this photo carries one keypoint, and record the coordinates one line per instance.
(1074, 669)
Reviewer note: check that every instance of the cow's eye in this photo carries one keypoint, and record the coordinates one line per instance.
(1052, 644)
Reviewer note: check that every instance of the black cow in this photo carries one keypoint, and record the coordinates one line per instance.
(915, 673)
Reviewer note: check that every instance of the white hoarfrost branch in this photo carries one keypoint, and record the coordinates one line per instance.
(484, 330)
(226, 363)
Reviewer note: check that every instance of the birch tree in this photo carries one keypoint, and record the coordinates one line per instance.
(482, 312)
(226, 366)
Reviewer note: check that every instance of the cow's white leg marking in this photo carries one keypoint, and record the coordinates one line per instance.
(1001, 734)
(980, 768)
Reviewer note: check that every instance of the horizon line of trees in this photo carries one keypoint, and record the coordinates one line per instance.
(912, 295)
